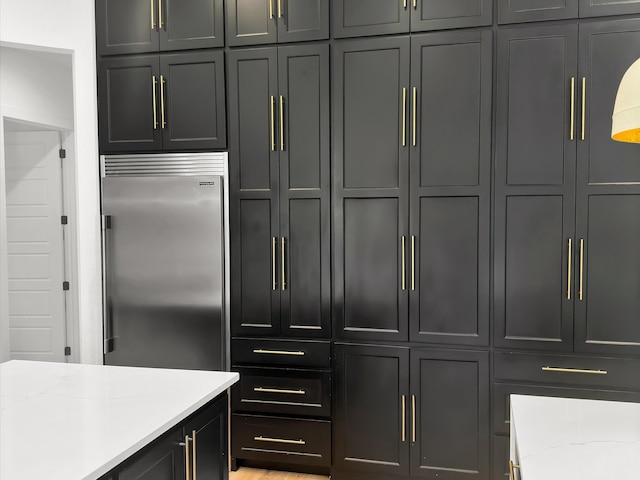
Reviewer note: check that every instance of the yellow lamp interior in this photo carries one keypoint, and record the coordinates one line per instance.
(632, 136)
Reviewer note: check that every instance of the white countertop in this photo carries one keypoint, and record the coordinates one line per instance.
(73, 422)
(566, 438)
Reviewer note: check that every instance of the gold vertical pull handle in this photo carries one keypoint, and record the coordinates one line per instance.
(404, 5)
(403, 418)
(273, 263)
(153, 15)
(403, 269)
(569, 254)
(404, 116)
(155, 102)
(193, 452)
(580, 291)
(162, 115)
(415, 4)
(415, 114)
(272, 102)
(572, 125)
(584, 104)
(284, 272)
(160, 23)
(413, 262)
(512, 467)
(279, 8)
(187, 472)
(281, 123)
(270, 9)
(413, 418)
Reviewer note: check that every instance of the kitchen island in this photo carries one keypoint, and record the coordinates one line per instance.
(80, 422)
(569, 438)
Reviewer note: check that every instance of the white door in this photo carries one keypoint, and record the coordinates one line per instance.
(35, 246)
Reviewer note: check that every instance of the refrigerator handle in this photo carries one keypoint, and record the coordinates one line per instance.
(108, 343)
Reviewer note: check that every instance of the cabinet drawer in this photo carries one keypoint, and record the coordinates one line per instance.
(289, 353)
(306, 442)
(283, 391)
(567, 371)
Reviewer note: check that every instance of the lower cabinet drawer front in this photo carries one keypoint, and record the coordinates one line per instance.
(279, 352)
(570, 371)
(305, 442)
(283, 391)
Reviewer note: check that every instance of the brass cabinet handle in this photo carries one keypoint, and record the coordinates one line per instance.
(279, 8)
(404, 5)
(413, 418)
(281, 123)
(279, 440)
(193, 449)
(415, 4)
(155, 106)
(273, 122)
(270, 9)
(413, 262)
(153, 16)
(569, 251)
(186, 458)
(278, 352)
(581, 268)
(284, 276)
(415, 114)
(404, 116)
(574, 370)
(403, 414)
(160, 24)
(273, 264)
(584, 103)
(512, 466)
(279, 390)
(162, 84)
(573, 107)
(403, 273)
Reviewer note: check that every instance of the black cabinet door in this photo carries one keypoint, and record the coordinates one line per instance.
(441, 14)
(300, 20)
(303, 142)
(251, 22)
(534, 187)
(450, 187)
(164, 460)
(254, 183)
(596, 8)
(511, 11)
(451, 437)
(188, 24)
(356, 18)
(129, 97)
(372, 409)
(371, 188)
(126, 26)
(193, 113)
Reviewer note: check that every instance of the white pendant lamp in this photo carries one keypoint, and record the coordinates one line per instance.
(625, 126)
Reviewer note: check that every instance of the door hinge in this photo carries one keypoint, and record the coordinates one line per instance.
(65, 286)
(63, 153)
(64, 219)
(67, 351)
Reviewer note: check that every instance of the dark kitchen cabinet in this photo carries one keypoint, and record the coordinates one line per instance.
(257, 22)
(163, 461)
(207, 432)
(424, 412)
(356, 18)
(397, 239)
(279, 113)
(145, 26)
(597, 8)
(168, 102)
(512, 11)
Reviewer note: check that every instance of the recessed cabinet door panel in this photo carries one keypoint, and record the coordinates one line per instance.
(301, 20)
(356, 18)
(162, 461)
(607, 314)
(597, 8)
(126, 26)
(194, 101)
(129, 104)
(452, 414)
(440, 14)
(251, 22)
(607, 49)
(191, 24)
(368, 421)
(512, 11)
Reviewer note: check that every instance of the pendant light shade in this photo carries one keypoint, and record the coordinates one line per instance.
(625, 126)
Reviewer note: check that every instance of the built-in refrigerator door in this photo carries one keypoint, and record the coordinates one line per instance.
(163, 255)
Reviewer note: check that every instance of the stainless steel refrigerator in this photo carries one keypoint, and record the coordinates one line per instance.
(165, 248)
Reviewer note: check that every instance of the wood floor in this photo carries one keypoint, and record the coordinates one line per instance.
(244, 473)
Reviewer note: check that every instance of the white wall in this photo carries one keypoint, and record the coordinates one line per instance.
(4, 290)
(67, 26)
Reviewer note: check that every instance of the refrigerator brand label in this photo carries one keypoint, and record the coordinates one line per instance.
(207, 184)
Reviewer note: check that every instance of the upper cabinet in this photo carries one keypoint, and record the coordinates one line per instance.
(357, 18)
(512, 11)
(142, 26)
(258, 22)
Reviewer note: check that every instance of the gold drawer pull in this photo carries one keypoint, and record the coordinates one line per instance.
(278, 390)
(574, 370)
(278, 352)
(279, 440)
(512, 466)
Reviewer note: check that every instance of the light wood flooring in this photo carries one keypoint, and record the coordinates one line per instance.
(244, 473)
